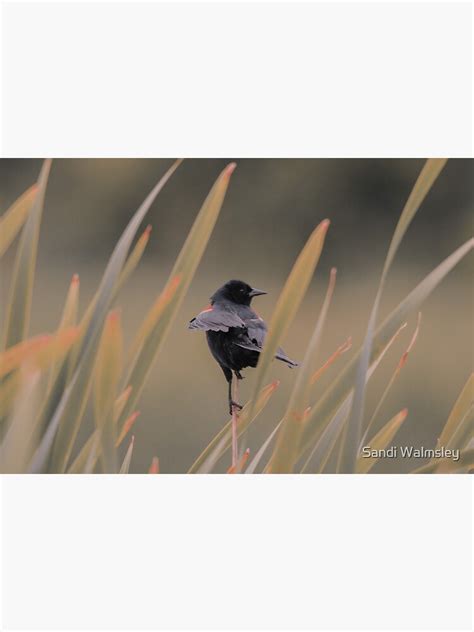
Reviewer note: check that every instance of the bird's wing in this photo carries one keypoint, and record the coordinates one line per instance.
(256, 330)
(216, 319)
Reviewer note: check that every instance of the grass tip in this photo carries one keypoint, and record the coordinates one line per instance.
(75, 279)
(229, 170)
(147, 230)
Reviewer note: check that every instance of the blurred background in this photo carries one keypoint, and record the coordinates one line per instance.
(270, 209)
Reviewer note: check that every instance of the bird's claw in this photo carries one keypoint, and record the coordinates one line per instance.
(234, 405)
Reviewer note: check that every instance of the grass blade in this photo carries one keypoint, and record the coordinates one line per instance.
(14, 218)
(128, 457)
(458, 413)
(21, 290)
(64, 424)
(289, 301)
(155, 466)
(329, 403)
(135, 256)
(448, 465)
(234, 469)
(156, 327)
(398, 368)
(380, 441)
(263, 448)
(286, 448)
(332, 358)
(322, 450)
(222, 441)
(20, 437)
(353, 428)
(107, 372)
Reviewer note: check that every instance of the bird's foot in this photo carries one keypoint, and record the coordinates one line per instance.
(233, 405)
(239, 375)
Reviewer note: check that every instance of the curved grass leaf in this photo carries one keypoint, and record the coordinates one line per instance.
(286, 447)
(263, 448)
(353, 428)
(135, 256)
(288, 302)
(458, 414)
(222, 441)
(175, 290)
(21, 290)
(448, 465)
(14, 218)
(64, 424)
(124, 468)
(322, 413)
(380, 441)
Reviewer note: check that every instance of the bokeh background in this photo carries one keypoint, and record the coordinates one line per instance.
(270, 209)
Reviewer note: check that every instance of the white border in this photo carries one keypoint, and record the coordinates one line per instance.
(249, 79)
(237, 552)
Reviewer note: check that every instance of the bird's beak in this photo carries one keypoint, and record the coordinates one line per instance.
(256, 292)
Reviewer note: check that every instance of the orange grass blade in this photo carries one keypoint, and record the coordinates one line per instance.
(14, 218)
(398, 368)
(332, 358)
(39, 351)
(127, 426)
(233, 469)
(155, 466)
(380, 441)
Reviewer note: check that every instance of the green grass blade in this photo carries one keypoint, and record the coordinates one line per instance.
(64, 424)
(21, 290)
(222, 441)
(288, 302)
(380, 441)
(353, 428)
(175, 290)
(331, 400)
(14, 218)
(286, 448)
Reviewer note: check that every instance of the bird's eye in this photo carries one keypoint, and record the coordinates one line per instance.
(242, 291)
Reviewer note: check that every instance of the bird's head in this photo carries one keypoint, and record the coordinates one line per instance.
(236, 291)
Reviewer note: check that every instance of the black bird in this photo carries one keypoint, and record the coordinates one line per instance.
(235, 333)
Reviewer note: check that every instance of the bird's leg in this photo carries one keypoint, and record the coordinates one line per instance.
(239, 375)
(233, 412)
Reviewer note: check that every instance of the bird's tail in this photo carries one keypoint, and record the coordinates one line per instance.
(280, 355)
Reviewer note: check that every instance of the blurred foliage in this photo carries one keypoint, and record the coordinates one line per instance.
(48, 382)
